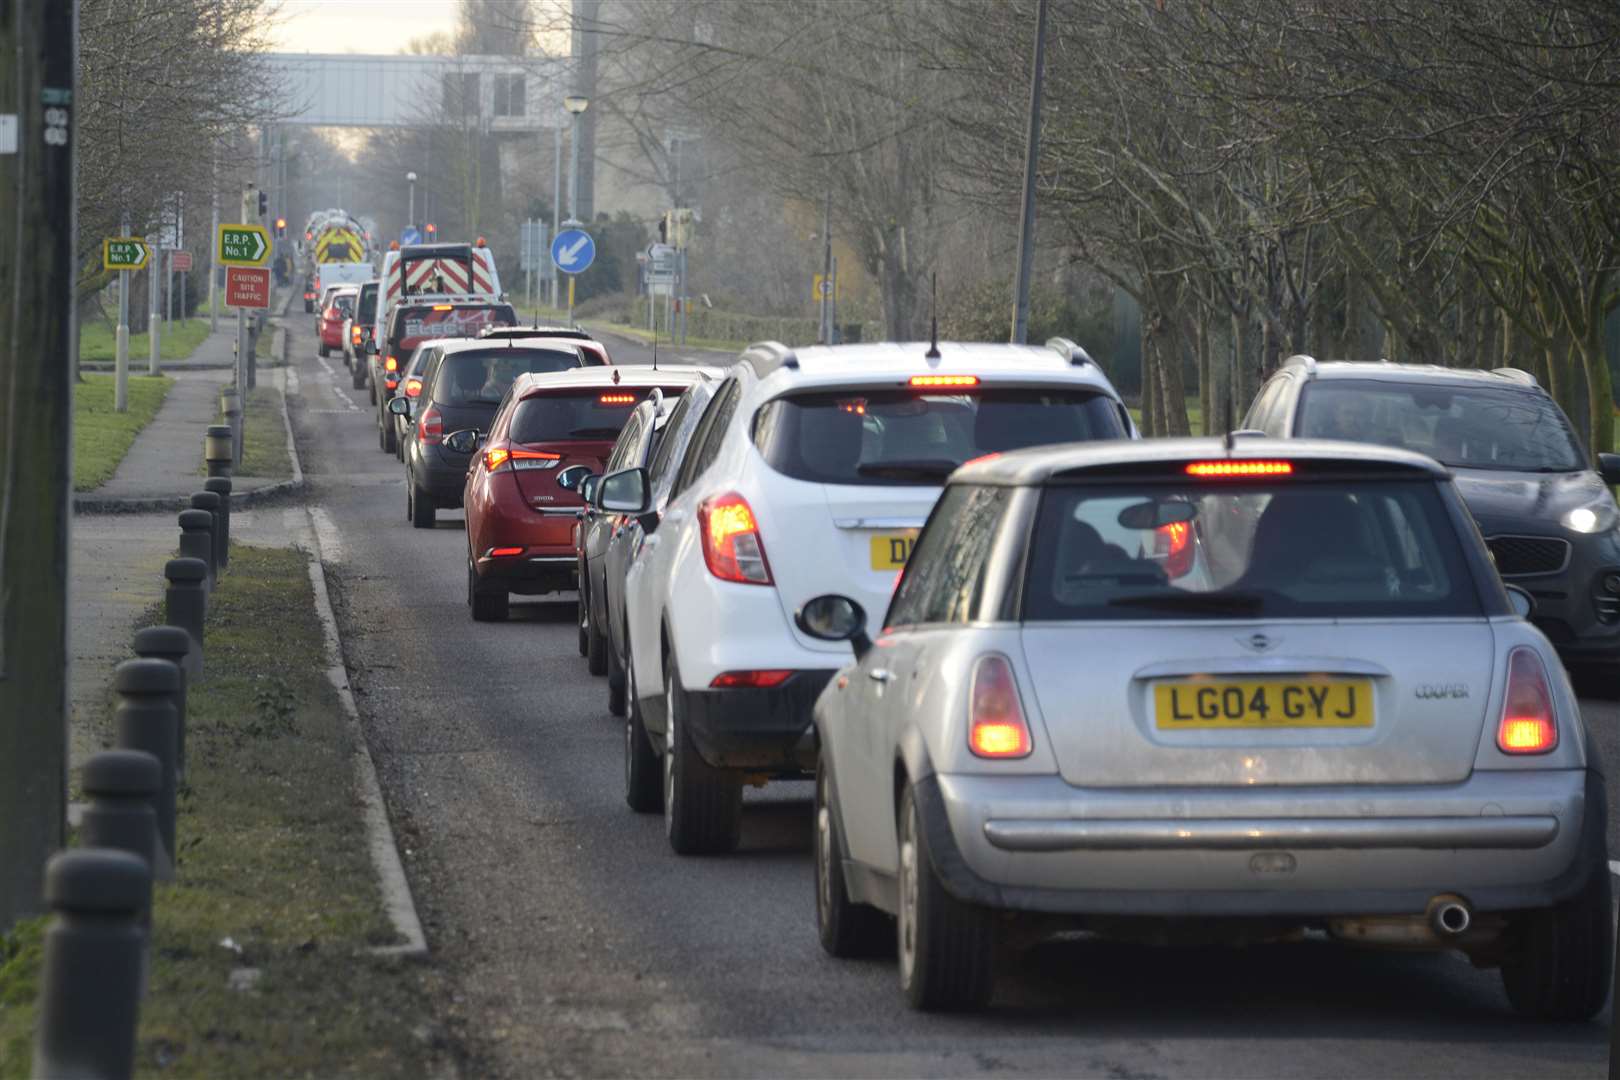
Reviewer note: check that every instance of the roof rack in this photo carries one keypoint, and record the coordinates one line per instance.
(1303, 361)
(1074, 354)
(1518, 375)
(766, 356)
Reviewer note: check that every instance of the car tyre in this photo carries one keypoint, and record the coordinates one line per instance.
(487, 605)
(596, 661)
(617, 687)
(946, 947)
(1557, 965)
(847, 929)
(322, 351)
(642, 779)
(371, 392)
(424, 514)
(582, 618)
(385, 435)
(702, 804)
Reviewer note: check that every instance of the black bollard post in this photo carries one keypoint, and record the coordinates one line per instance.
(123, 786)
(230, 407)
(221, 486)
(185, 603)
(207, 500)
(94, 962)
(144, 720)
(171, 643)
(197, 539)
(218, 450)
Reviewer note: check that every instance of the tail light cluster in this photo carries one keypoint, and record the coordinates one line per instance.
(1529, 724)
(430, 427)
(996, 725)
(732, 547)
(497, 457)
(413, 387)
(753, 680)
(354, 336)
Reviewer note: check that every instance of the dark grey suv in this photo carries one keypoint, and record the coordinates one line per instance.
(1545, 512)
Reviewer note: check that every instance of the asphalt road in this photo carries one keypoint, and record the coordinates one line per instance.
(580, 945)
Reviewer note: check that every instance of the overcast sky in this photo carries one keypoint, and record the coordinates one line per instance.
(358, 26)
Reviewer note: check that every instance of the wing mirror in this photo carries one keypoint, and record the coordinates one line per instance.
(1609, 469)
(835, 618)
(587, 490)
(401, 406)
(571, 478)
(1521, 601)
(624, 492)
(465, 441)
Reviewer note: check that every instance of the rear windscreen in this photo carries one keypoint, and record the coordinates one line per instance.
(482, 376)
(906, 437)
(368, 304)
(577, 414)
(418, 322)
(344, 302)
(1225, 549)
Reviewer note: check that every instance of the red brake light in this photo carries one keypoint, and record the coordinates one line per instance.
(497, 456)
(500, 553)
(391, 363)
(1528, 725)
(617, 399)
(933, 381)
(354, 334)
(430, 427)
(1224, 469)
(413, 387)
(996, 727)
(759, 680)
(1173, 542)
(731, 544)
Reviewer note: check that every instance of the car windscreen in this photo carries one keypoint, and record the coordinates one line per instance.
(887, 437)
(1465, 427)
(577, 414)
(368, 305)
(482, 376)
(414, 323)
(1172, 549)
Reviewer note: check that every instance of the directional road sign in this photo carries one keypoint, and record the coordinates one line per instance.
(123, 253)
(410, 234)
(242, 245)
(247, 287)
(573, 251)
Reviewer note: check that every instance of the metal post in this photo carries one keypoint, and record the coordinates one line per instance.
(123, 788)
(573, 168)
(825, 334)
(556, 212)
(171, 643)
(145, 720)
(121, 336)
(94, 964)
(168, 289)
(1032, 154)
(410, 214)
(686, 300)
(213, 242)
(154, 320)
(185, 603)
(832, 306)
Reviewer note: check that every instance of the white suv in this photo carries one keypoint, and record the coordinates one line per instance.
(810, 472)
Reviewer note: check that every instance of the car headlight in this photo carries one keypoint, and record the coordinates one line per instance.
(1598, 516)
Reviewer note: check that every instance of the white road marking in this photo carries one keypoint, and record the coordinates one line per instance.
(348, 404)
(321, 360)
(329, 535)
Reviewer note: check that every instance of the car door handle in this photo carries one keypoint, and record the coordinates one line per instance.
(880, 674)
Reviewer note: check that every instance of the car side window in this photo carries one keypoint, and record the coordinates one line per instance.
(705, 443)
(627, 440)
(663, 442)
(944, 580)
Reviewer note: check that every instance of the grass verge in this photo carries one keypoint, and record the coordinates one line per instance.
(101, 435)
(264, 438)
(180, 340)
(272, 857)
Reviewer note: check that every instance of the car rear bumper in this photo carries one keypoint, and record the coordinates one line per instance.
(531, 573)
(755, 729)
(445, 480)
(1502, 840)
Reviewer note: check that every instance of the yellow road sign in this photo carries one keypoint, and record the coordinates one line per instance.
(242, 245)
(821, 289)
(123, 253)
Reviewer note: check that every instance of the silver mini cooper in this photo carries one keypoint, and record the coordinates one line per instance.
(1198, 690)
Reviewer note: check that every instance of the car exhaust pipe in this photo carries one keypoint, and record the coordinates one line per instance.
(1449, 915)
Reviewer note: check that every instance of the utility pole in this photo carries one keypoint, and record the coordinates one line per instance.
(154, 315)
(1032, 156)
(121, 335)
(250, 214)
(826, 336)
(213, 233)
(38, 353)
(556, 209)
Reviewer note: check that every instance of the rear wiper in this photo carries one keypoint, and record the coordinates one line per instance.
(919, 469)
(1214, 602)
(595, 432)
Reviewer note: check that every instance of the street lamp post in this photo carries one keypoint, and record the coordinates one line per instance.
(410, 215)
(1032, 155)
(556, 212)
(576, 106)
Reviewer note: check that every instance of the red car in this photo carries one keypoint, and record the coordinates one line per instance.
(337, 310)
(521, 493)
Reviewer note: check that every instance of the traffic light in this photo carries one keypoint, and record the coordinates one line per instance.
(264, 203)
(281, 226)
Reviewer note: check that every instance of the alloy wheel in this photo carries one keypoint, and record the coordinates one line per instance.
(908, 898)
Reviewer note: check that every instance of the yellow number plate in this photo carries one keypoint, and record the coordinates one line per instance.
(891, 550)
(1262, 703)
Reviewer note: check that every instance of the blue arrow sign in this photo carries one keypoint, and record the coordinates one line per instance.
(573, 251)
(410, 235)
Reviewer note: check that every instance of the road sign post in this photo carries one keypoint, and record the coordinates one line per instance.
(124, 254)
(237, 246)
(247, 287)
(572, 252)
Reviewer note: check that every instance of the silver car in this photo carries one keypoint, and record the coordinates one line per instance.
(1198, 690)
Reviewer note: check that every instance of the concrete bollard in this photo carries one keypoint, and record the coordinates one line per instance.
(185, 604)
(218, 448)
(144, 720)
(207, 500)
(221, 486)
(123, 787)
(230, 407)
(94, 962)
(197, 539)
(171, 643)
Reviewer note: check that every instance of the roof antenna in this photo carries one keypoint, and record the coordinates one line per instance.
(933, 320)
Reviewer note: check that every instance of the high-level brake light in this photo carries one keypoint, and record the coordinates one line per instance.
(731, 544)
(996, 727)
(1528, 725)
(617, 399)
(937, 381)
(1225, 469)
